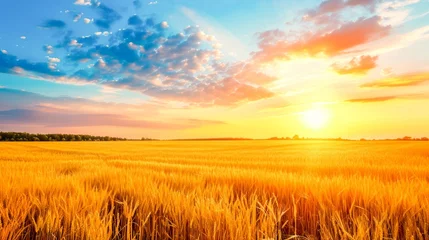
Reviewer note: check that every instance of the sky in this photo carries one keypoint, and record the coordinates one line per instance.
(173, 69)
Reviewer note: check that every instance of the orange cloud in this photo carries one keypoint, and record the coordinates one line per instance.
(349, 35)
(358, 65)
(388, 98)
(372, 99)
(404, 80)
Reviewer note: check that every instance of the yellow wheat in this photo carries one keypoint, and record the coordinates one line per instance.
(214, 190)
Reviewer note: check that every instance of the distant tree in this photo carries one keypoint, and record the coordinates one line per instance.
(407, 138)
(425, 139)
(295, 137)
(43, 138)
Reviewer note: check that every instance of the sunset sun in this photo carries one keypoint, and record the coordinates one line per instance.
(316, 118)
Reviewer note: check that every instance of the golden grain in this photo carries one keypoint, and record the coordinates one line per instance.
(214, 190)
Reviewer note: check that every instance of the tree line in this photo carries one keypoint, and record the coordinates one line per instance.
(23, 136)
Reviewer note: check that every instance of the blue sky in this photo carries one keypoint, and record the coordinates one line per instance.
(238, 63)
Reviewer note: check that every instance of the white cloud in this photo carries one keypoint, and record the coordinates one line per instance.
(49, 49)
(164, 24)
(222, 34)
(23, 37)
(87, 20)
(4, 51)
(77, 17)
(153, 3)
(394, 13)
(105, 33)
(54, 60)
(132, 46)
(75, 43)
(83, 2)
(398, 41)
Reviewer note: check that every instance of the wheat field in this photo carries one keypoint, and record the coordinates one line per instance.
(214, 190)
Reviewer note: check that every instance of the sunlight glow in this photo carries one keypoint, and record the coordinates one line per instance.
(316, 118)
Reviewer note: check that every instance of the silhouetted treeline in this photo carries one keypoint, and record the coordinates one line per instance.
(296, 137)
(212, 139)
(23, 136)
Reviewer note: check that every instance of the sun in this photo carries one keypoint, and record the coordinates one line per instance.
(316, 118)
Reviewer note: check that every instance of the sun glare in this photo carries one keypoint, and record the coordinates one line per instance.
(315, 118)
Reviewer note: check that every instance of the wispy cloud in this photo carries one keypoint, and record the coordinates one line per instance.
(328, 11)
(403, 80)
(388, 98)
(372, 99)
(26, 108)
(394, 12)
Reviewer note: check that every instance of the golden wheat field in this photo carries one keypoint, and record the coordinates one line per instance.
(214, 190)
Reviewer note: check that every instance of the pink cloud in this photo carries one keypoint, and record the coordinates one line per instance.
(333, 43)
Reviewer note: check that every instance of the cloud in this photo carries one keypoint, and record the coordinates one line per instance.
(153, 3)
(107, 16)
(372, 99)
(394, 12)
(135, 21)
(226, 92)
(150, 59)
(48, 49)
(52, 24)
(4, 51)
(87, 20)
(54, 60)
(77, 17)
(247, 72)
(387, 71)
(62, 119)
(164, 25)
(358, 65)
(26, 108)
(23, 37)
(82, 2)
(403, 80)
(388, 98)
(228, 40)
(12, 65)
(137, 4)
(329, 12)
(335, 6)
(87, 41)
(333, 43)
